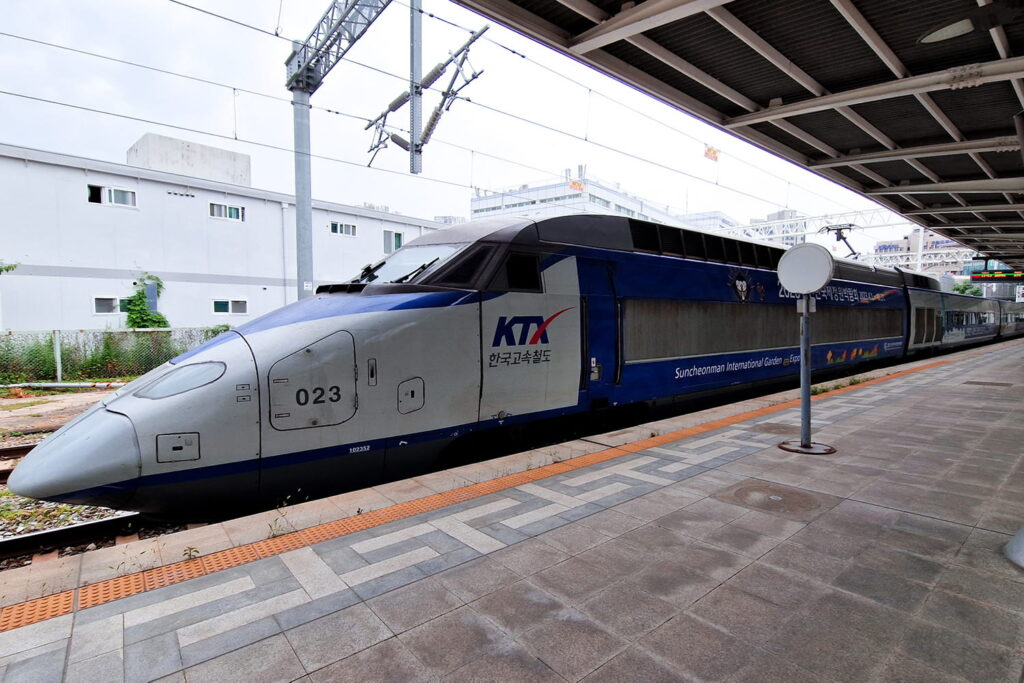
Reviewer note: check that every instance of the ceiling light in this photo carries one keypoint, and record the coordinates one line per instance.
(981, 19)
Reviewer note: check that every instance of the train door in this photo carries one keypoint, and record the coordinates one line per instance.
(310, 399)
(530, 337)
(601, 332)
(926, 320)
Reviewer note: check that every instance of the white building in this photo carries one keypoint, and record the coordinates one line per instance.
(568, 196)
(83, 231)
(709, 221)
(789, 227)
(938, 255)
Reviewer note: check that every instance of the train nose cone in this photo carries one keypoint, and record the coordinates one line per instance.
(93, 461)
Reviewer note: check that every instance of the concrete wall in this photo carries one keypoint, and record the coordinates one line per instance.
(162, 153)
(71, 251)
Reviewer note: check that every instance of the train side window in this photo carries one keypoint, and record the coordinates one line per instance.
(520, 272)
(645, 236)
(747, 254)
(694, 244)
(671, 240)
(465, 270)
(732, 251)
(715, 248)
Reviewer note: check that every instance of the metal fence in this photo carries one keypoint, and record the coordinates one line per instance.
(79, 355)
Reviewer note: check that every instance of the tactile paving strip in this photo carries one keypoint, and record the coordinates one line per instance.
(112, 589)
(279, 544)
(30, 612)
(173, 573)
(40, 609)
(226, 559)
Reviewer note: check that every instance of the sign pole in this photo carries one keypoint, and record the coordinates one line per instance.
(805, 269)
(805, 372)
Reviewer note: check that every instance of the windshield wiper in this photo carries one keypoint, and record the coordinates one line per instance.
(417, 271)
(367, 273)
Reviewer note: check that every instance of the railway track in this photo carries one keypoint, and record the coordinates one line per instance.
(95, 531)
(14, 452)
(77, 534)
(9, 457)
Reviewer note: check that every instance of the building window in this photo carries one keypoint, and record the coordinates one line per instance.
(600, 202)
(111, 195)
(392, 241)
(231, 306)
(231, 213)
(109, 305)
(563, 198)
(343, 229)
(623, 210)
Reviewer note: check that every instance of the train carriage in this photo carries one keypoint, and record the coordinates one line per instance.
(487, 324)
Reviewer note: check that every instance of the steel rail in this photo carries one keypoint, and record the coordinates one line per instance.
(74, 534)
(14, 452)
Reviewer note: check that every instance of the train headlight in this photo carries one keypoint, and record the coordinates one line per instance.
(182, 379)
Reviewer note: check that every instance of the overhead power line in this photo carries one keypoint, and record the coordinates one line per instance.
(492, 109)
(605, 96)
(266, 145)
(277, 98)
(585, 138)
(487, 107)
(272, 34)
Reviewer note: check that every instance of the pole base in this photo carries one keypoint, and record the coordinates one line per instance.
(1014, 550)
(813, 449)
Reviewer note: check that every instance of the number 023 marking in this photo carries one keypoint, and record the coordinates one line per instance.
(330, 394)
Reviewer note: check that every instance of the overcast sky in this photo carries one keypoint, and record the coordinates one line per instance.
(530, 118)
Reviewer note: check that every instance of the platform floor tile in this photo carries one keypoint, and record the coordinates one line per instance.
(659, 564)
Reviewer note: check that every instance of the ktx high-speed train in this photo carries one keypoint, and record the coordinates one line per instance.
(494, 322)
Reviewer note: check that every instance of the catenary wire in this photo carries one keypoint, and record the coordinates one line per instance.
(272, 34)
(556, 130)
(276, 98)
(492, 109)
(257, 143)
(561, 75)
(289, 150)
(604, 96)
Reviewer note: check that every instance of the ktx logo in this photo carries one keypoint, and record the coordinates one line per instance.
(505, 332)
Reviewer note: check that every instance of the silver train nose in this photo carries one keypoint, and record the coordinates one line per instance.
(94, 460)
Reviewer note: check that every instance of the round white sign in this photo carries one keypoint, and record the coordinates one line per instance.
(805, 268)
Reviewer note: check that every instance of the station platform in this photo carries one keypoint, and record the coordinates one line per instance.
(687, 549)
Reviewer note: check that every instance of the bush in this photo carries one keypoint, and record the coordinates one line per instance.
(28, 361)
(91, 355)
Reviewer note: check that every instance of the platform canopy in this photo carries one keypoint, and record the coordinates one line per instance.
(844, 88)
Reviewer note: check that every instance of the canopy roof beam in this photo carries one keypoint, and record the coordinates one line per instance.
(1001, 144)
(637, 19)
(949, 79)
(988, 208)
(984, 185)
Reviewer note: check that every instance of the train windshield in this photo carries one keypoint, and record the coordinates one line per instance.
(408, 263)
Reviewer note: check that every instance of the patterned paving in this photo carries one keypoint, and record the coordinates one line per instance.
(594, 570)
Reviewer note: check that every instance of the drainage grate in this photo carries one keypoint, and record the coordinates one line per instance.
(990, 384)
(782, 500)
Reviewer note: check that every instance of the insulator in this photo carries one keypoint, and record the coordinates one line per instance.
(400, 141)
(432, 76)
(399, 101)
(428, 129)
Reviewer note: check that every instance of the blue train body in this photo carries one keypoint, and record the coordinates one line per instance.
(488, 324)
